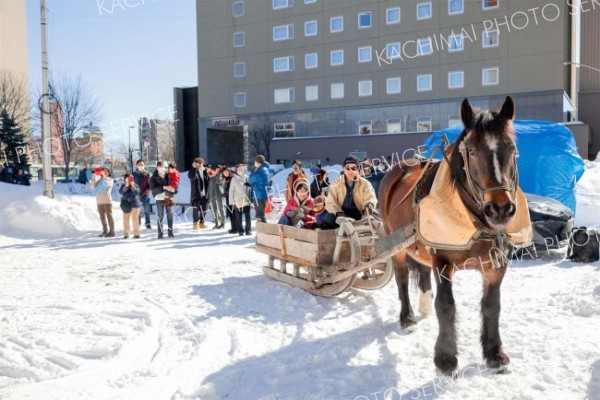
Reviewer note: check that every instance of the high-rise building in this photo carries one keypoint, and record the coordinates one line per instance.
(157, 139)
(328, 68)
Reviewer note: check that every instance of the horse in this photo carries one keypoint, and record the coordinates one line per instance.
(482, 169)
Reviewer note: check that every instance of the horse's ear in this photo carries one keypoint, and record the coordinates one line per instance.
(466, 114)
(508, 108)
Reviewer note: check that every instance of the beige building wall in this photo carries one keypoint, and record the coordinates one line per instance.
(13, 37)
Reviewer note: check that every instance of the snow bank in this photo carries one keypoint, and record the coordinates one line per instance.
(588, 196)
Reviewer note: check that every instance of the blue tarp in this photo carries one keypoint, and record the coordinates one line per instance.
(548, 162)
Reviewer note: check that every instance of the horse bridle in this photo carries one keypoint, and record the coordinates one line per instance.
(473, 190)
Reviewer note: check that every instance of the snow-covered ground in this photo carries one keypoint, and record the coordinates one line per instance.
(194, 318)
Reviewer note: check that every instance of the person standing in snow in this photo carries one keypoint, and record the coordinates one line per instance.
(158, 186)
(227, 178)
(199, 191)
(258, 182)
(239, 200)
(141, 178)
(130, 205)
(103, 185)
(215, 195)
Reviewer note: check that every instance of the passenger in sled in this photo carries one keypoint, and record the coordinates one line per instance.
(350, 195)
(299, 209)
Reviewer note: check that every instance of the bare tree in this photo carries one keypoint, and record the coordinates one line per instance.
(259, 139)
(14, 99)
(77, 107)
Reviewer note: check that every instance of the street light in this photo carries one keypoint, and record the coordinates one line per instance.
(130, 150)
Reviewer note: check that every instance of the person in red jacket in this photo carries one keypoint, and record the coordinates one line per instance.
(299, 209)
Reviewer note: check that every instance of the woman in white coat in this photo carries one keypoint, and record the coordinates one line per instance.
(239, 199)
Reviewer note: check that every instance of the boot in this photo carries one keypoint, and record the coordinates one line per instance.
(148, 226)
(160, 235)
(170, 233)
(196, 226)
(202, 225)
(110, 234)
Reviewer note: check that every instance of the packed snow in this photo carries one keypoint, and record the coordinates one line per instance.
(193, 317)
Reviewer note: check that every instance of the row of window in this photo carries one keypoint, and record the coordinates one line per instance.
(424, 10)
(454, 42)
(456, 80)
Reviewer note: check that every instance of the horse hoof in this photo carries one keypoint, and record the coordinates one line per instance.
(446, 363)
(407, 322)
(497, 360)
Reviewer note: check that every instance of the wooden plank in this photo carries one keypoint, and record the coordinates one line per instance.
(274, 252)
(271, 262)
(282, 241)
(283, 266)
(296, 270)
(305, 235)
(317, 254)
(290, 280)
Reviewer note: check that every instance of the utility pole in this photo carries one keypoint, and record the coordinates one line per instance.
(46, 140)
(130, 150)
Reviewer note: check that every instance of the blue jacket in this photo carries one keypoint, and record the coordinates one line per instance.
(130, 194)
(259, 180)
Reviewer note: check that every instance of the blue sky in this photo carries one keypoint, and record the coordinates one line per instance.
(130, 52)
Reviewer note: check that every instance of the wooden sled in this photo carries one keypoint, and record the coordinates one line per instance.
(328, 262)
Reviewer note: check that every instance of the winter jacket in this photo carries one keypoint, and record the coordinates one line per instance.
(173, 180)
(157, 184)
(83, 177)
(103, 189)
(362, 193)
(22, 180)
(215, 185)
(316, 187)
(259, 180)
(291, 183)
(306, 208)
(199, 182)
(226, 187)
(142, 180)
(130, 194)
(238, 192)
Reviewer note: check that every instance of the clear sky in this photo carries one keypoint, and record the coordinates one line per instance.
(132, 53)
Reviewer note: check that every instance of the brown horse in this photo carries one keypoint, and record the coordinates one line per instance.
(482, 169)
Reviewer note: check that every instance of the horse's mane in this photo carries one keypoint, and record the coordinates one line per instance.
(485, 122)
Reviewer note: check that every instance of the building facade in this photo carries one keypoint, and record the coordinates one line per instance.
(157, 140)
(344, 69)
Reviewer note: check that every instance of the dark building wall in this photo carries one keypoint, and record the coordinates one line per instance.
(589, 112)
(186, 126)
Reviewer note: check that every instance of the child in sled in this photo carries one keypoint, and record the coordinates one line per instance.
(299, 209)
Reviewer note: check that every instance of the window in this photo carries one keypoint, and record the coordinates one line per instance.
(311, 60)
(336, 24)
(365, 54)
(455, 43)
(284, 129)
(310, 28)
(392, 51)
(393, 85)
(392, 15)
(239, 99)
(394, 125)
(277, 4)
(239, 69)
(337, 57)
(365, 127)
(283, 64)
(424, 82)
(424, 10)
(365, 88)
(285, 95)
(489, 4)
(309, 1)
(337, 91)
(238, 8)
(311, 93)
(424, 124)
(489, 76)
(490, 38)
(283, 32)
(364, 20)
(239, 39)
(456, 7)
(453, 120)
(456, 79)
(424, 47)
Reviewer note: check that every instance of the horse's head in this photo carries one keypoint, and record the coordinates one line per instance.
(483, 161)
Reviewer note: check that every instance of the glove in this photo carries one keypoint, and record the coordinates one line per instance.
(340, 214)
(369, 207)
(291, 214)
(299, 224)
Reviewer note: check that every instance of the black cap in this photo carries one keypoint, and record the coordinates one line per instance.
(351, 160)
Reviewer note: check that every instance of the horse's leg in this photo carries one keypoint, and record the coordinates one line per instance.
(407, 317)
(490, 313)
(445, 346)
(425, 290)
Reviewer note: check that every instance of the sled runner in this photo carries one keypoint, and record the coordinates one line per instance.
(328, 262)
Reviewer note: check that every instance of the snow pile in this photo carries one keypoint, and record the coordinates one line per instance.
(588, 196)
(26, 213)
